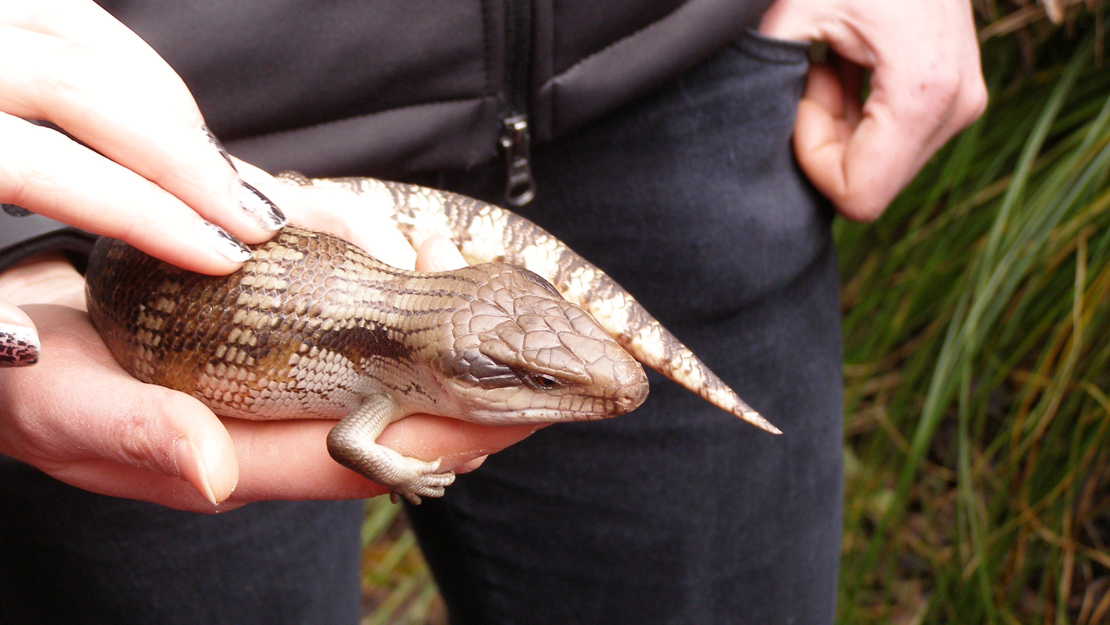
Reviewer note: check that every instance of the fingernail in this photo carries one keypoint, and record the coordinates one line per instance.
(471, 464)
(219, 146)
(466, 461)
(228, 246)
(260, 207)
(191, 468)
(19, 346)
(15, 211)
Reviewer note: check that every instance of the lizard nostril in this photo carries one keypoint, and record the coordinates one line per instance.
(632, 395)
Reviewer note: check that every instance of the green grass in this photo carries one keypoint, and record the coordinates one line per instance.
(977, 344)
(977, 337)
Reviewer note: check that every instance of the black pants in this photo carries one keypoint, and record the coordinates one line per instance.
(677, 513)
(69, 556)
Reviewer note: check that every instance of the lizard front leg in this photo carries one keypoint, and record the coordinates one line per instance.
(352, 444)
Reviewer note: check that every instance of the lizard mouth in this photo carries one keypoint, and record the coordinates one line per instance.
(592, 409)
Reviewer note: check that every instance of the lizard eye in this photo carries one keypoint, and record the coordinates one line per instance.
(542, 381)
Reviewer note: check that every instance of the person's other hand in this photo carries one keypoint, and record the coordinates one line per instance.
(926, 84)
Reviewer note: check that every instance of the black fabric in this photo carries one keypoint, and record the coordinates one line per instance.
(75, 244)
(341, 85)
(347, 86)
(29, 235)
(634, 65)
(676, 513)
(69, 556)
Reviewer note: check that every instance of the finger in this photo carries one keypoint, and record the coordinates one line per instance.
(64, 180)
(454, 441)
(131, 107)
(362, 220)
(860, 165)
(438, 253)
(79, 20)
(822, 132)
(472, 465)
(907, 117)
(19, 342)
(128, 105)
(77, 411)
(289, 459)
(851, 78)
(838, 111)
(170, 457)
(106, 477)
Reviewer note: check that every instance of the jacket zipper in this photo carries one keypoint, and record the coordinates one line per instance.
(516, 137)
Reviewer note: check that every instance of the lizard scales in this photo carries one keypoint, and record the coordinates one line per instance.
(314, 327)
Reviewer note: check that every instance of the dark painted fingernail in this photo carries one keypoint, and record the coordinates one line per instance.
(258, 206)
(228, 246)
(19, 346)
(16, 211)
(265, 213)
(219, 146)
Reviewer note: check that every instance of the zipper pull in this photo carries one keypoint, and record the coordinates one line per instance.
(517, 142)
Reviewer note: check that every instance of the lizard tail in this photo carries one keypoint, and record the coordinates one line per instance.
(653, 345)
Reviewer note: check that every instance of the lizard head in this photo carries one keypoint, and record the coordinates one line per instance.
(523, 354)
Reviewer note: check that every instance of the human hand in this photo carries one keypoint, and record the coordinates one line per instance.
(80, 418)
(151, 175)
(926, 85)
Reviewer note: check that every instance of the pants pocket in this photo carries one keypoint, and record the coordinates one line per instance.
(690, 197)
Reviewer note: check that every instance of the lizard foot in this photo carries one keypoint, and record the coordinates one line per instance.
(352, 444)
(428, 482)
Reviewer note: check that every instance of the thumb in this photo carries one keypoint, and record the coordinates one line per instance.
(79, 417)
(153, 434)
(19, 342)
(854, 156)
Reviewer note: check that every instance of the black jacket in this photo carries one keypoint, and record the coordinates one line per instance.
(392, 88)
